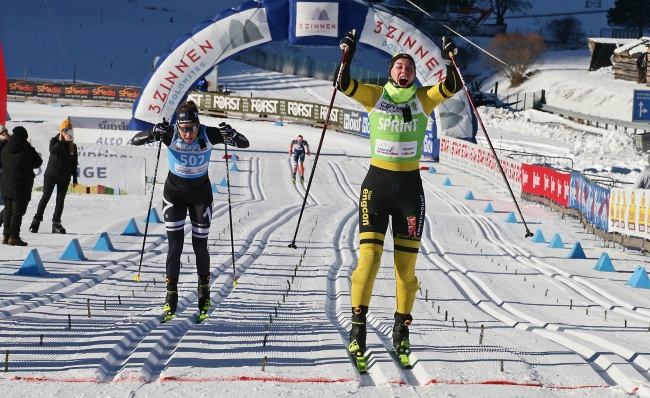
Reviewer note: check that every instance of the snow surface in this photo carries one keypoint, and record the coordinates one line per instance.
(531, 300)
(549, 328)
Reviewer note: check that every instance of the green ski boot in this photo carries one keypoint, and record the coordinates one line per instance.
(357, 347)
(401, 343)
(204, 298)
(171, 301)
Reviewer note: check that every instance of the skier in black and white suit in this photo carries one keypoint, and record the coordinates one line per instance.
(188, 188)
(297, 151)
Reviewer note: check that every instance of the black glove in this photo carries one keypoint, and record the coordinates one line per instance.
(349, 41)
(160, 129)
(229, 134)
(448, 47)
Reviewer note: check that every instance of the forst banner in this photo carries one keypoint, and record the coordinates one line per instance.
(629, 212)
(592, 200)
(546, 182)
(480, 161)
(267, 107)
(94, 92)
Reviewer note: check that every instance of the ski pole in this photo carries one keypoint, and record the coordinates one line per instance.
(480, 122)
(320, 144)
(232, 243)
(146, 227)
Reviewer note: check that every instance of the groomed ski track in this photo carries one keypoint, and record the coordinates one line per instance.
(287, 320)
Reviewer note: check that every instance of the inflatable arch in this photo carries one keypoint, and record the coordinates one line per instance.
(302, 23)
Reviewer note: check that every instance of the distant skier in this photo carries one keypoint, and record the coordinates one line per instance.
(297, 150)
(188, 189)
(643, 180)
(398, 114)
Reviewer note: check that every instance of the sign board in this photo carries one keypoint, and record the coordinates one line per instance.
(641, 106)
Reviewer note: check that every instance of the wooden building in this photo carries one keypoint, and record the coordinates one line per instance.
(628, 59)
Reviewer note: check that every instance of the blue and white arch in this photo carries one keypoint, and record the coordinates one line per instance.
(301, 23)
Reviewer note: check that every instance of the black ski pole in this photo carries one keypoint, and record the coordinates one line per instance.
(146, 227)
(232, 243)
(496, 158)
(320, 144)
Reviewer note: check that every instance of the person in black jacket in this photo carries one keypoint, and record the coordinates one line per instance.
(4, 138)
(19, 159)
(62, 164)
(188, 190)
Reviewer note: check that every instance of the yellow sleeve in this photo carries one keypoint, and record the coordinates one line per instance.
(365, 94)
(432, 96)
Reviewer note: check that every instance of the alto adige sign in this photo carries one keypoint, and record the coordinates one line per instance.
(317, 19)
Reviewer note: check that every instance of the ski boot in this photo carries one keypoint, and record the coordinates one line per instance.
(204, 297)
(401, 343)
(294, 179)
(35, 224)
(302, 180)
(357, 345)
(5, 239)
(57, 228)
(171, 301)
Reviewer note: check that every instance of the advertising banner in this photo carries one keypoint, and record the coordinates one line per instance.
(480, 161)
(546, 182)
(195, 57)
(629, 211)
(122, 176)
(591, 199)
(352, 121)
(80, 122)
(267, 107)
(72, 91)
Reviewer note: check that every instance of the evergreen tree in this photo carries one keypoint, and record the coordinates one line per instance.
(630, 14)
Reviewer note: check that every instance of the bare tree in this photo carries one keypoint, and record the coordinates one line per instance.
(541, 24)
(517, 50)
(500, 7)
(566, 29)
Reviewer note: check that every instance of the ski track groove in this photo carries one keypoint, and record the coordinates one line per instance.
(382, 366)
(161, 340)
(635, 366)
(302, 189)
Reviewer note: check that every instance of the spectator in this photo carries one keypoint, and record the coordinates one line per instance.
(19, 159)
(4, 137)
(643, 180)
(202, 86)
(61, 166)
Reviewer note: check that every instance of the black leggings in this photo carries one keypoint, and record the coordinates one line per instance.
(176, 204)
(13, 217)
(48, 188)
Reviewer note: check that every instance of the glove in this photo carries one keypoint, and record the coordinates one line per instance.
(349, 41)
(308, 153)
(160, 129)
(229, 134)
(448, 47)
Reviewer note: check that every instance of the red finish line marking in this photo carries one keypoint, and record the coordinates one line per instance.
(509, 383)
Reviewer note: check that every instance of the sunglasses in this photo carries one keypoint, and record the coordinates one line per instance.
(66, 130)
(191, 129)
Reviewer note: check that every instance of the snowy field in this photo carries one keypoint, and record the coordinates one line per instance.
(543, 315)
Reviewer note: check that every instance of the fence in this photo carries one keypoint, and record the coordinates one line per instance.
(305, 67)
(595, 120)
(523, 101)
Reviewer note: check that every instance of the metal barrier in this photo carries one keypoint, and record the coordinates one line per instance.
(595, 120)
(537, 159)
(522, 101)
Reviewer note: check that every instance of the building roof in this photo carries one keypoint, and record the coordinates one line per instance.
(636, 46)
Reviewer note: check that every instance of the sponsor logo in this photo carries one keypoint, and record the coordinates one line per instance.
(397, 125)
(352, 121)
(300, 109)
(396, 149)
(76, 90)
(365, 198)
(21, 86)
(48, 88)
(317, 19)
(264, 106)
(226, 103)
(104, 91)
(129, 92)
(411, 226)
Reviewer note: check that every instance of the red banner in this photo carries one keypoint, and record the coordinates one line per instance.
(3, 90)
(542, 181)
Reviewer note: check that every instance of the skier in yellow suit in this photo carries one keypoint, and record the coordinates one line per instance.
(398, 114)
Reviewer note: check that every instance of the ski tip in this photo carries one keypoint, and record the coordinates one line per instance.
(235, 283)
(137, 278)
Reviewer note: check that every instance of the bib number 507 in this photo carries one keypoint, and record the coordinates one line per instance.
(191, 160)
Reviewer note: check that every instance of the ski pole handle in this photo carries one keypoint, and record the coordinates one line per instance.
(345, 47)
